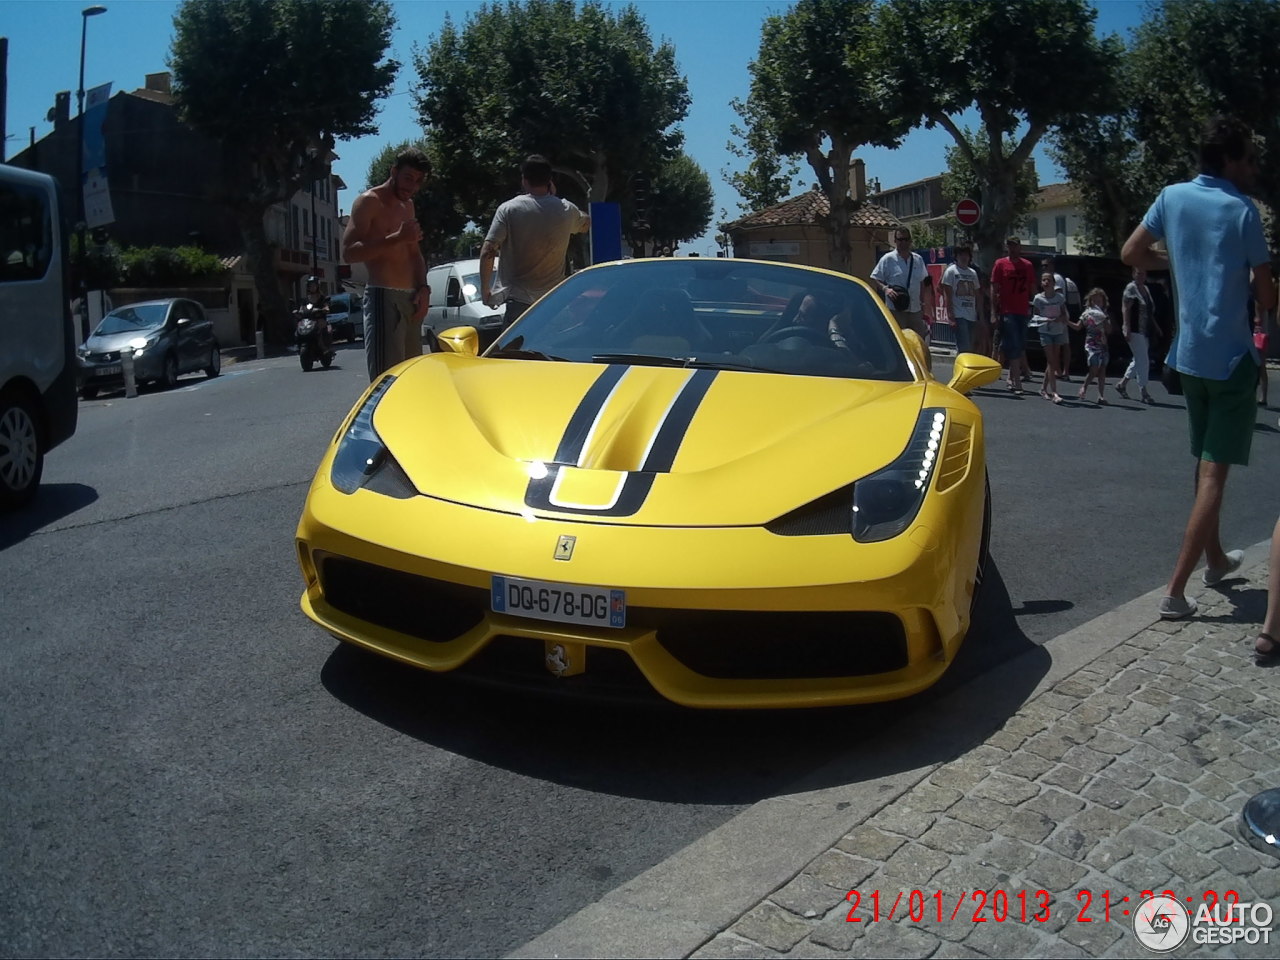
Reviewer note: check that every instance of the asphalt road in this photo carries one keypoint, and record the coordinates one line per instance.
(192, 768)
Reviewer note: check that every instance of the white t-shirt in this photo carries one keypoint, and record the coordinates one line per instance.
(532, 234)
(963, 282)
(892, 271)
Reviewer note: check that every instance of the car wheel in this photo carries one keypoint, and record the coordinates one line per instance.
(170, 378)
(984, 550)
(21, 451)
(88, 393)
(215, 362)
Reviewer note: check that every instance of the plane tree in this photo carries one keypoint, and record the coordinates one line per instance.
(584, 85)
(1025, 68)
(819, 91)
(275, 84)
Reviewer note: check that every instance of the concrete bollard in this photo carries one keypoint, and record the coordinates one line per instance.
(130, 384)
(260, 341)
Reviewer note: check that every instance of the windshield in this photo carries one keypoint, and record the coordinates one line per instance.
(729, 314)
(139, 316)
(340, 303)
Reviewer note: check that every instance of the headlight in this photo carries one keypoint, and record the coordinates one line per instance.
(363, 460)
(139, 344)
(885, 503)
(82, 351)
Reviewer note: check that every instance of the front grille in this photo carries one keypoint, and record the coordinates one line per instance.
(742, 645)
(421, 607)
(105, 357)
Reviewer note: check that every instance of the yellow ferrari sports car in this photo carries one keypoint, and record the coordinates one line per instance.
(735, 483)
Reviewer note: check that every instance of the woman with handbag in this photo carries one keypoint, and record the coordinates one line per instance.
(1138, 314)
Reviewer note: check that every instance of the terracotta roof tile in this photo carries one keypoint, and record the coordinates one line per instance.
(1057, 195)
(811, 207)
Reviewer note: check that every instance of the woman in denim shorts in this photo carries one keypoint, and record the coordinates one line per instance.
(1050, 314)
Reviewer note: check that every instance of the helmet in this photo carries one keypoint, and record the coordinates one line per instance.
(313, 281)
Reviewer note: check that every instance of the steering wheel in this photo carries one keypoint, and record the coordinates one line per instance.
(817, 337)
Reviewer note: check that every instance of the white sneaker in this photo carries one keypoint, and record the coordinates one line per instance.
(1172, 608)
(1234, 559)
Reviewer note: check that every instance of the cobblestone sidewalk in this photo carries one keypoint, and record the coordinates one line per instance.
(1128, 775)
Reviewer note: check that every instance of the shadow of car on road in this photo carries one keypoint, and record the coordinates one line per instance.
(53, 502)
(661, 751)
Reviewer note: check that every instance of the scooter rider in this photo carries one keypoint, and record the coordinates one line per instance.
(319, 302)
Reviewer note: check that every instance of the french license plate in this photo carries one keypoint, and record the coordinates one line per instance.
(562, 602)
(110, 371)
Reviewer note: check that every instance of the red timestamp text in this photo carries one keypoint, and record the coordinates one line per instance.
(1104, 905)
(976, 906)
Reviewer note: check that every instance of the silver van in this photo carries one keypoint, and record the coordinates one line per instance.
(38, 403)
(455, 301)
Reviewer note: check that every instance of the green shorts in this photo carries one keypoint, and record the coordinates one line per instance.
(1222, 414)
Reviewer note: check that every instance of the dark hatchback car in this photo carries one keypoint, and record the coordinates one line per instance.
(165, 338)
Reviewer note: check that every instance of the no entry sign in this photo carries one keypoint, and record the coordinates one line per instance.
(968, 212)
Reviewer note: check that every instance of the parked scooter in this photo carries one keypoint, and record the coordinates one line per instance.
(312, 336)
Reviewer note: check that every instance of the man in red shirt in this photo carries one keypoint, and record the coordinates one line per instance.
(1013, 280)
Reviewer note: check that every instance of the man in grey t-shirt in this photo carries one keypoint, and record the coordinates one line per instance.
(532, 231)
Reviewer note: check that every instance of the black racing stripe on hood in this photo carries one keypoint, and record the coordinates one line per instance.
(663, 453)
(638, 483)
(579, 427)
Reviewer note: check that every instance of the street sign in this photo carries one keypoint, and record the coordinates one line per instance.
(968, 212)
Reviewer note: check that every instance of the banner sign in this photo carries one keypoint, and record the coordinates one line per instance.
(93, 145)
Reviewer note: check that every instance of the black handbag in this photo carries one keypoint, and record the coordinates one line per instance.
(1171, 379)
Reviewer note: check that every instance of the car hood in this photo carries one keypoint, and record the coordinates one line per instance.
(107, 343)
(637, 444)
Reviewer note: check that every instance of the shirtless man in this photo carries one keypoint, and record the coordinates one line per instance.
(384, 234)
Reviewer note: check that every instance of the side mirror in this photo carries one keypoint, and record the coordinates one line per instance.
(973, 370)
(461, 340)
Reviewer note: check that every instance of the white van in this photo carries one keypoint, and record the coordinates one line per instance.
(455, 301)
(38, 402)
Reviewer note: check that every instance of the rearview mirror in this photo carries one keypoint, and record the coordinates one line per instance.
(460, 340)
(972, 370)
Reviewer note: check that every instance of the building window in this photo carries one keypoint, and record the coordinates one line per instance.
(1060, 233)
(1033, 231)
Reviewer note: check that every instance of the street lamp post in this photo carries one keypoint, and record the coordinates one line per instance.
(85, 14)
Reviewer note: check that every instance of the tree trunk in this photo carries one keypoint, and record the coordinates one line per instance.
(260, 258)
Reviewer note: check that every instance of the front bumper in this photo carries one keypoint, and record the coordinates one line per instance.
(717, 617)
(106, 370)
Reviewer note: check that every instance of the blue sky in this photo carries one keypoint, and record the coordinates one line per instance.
(714, 41)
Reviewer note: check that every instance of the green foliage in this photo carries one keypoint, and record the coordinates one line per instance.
(819, 90)
(925, 235)
(1191, 59)
(680, 201)
(1026, 67)
(963, 178)
(769, 176)
(168, 266)
(276, 83)
(109, 266)
(584, 85)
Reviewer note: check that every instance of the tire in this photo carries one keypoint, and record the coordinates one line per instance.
(215, 362)
(21, 450)
(88, 393)
(326, 360)
(169, 379)
(305, 359)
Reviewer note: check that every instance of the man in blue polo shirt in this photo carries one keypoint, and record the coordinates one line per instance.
(1216, 254)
